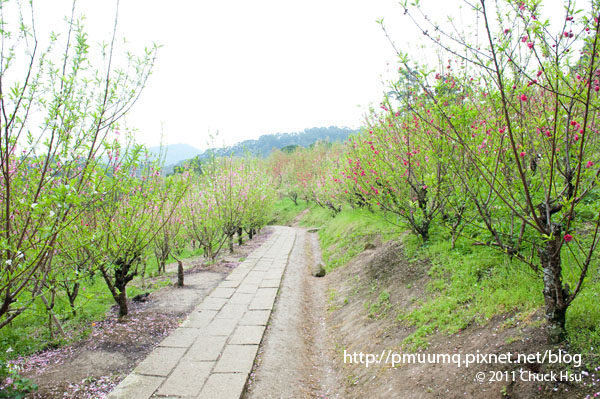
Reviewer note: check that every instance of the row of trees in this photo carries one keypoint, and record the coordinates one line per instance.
(79, 199)
(500, 144)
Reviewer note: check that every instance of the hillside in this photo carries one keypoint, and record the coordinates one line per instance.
(263, 146)
(175, 153)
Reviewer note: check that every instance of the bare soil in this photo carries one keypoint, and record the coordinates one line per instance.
(92, 367)
(356, 328)
(295, 357)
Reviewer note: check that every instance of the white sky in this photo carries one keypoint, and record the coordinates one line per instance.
(246, 68)
(251, 67)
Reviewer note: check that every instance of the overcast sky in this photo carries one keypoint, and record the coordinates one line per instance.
(246, 68)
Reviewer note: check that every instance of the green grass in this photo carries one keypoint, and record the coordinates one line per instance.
(379, 307)
(472, 284)
(469, 285)
(28, 333)
(285, 211)
(152, 264)
(344, 236)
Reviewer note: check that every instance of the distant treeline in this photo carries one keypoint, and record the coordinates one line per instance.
(265, 144)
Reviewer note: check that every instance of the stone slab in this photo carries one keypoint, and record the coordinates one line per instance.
(224, 386)
(270, 283)
(206, 349)
(255, 318)
(199, 319)
(160, 361)
(264, 299)
(236, 275)
(247, 335)
(220, 327)
(232, 311)
(181, 338)
(229, 283)
(258, 274)
(273, 275)
(222, 292)
(211, 303)
(186, 379)
(251, 281)
(247, 288)
(136, 386)
(242, 298)
(236, 359)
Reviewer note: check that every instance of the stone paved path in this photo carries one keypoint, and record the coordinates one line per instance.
(211, 354)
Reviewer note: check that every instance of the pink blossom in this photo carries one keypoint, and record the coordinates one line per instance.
(568, 237)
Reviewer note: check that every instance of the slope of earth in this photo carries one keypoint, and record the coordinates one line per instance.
(365, 298)
(93, 367)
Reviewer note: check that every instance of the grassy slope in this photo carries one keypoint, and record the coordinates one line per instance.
(469, 284)
(284, 211)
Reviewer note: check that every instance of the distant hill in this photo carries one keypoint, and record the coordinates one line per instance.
(263, 146)
(175, 153)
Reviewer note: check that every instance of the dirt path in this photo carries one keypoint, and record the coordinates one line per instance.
(294, 360)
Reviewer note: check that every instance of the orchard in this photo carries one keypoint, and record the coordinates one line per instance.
(497, 145)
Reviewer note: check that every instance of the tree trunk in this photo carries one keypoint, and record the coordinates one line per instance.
(231, 243)
(423, 231)
(179, 273)
(554, 293)
(72, 295)
(239, 233)
(52, 318)
(122, 302)
(251, 233)
(50, 327)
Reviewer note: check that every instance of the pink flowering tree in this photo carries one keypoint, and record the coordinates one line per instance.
(395, 166)
(201, 215)
(526, 130)
(171, 240)
(258, 202)
(327, 186)
(76, 256)
(55, 112)
(135, 204)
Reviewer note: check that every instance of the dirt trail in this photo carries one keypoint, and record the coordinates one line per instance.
(295, 360)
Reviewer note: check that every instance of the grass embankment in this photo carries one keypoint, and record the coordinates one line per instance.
(29, 332)
(468, 285)
(285, 211)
